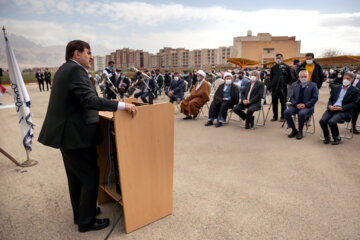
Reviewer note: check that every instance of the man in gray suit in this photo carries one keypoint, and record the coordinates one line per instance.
(72, 124)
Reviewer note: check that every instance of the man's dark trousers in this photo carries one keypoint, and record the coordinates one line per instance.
(83, 179)
(332, 118)
(302, 114)
(275, 98)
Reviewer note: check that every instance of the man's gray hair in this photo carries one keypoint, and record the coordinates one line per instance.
(257, 74)
(350, 74)
(304, 71)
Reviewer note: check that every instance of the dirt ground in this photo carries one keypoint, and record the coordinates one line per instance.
(229, 183)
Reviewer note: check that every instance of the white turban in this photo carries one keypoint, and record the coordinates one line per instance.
(227, 75)
(202, 73)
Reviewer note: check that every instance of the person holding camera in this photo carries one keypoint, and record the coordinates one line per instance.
(280, 76)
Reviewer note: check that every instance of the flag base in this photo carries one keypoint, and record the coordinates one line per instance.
(29, 163)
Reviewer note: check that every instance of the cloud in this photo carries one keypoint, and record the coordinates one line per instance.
(149, 27)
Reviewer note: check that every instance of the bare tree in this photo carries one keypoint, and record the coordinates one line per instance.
(331, 52)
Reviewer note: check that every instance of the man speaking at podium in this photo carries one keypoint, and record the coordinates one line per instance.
(72, 124)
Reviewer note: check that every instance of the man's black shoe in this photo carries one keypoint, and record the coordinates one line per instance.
(299, 135)
(209, 123)
(247, 126)
(326, 140)
(97, 212)
(273, 119)
(187, 117)
(218, 124)
(97, 224)
(194, 117)
(293, 133)
(336, 141)
(282, 119)
(355, 131)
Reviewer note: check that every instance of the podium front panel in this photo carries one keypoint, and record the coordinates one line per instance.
(145, 150)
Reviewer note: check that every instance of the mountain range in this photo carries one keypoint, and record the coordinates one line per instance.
(29, 54)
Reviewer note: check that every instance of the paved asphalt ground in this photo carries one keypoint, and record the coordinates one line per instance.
(229, 183)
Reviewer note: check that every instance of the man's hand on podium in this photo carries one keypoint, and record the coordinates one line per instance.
(131, 108)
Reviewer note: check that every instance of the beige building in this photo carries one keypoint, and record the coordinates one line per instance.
(264, 46)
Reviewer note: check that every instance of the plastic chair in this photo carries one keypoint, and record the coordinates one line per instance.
(348, 134)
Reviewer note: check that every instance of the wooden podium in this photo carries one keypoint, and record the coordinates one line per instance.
(145, 160)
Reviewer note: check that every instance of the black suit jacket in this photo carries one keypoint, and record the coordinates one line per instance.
(256, 93)
(234, 94)
(72, 120)
(317, 75)
(349, 102)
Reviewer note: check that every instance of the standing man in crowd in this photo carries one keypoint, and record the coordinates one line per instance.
(343, 100)
(72, 124)
(40, 78)
(280, 76)
(159, 81)
(111, 74)
(47, 75)
(314, 69)
(303, 99)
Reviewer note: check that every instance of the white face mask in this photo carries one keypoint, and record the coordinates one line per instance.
(303, 80)
(278, 61)
(198, 78)
(309, 62)
(331, 71)
(253, 78)
(339, 75)
(176, 78)
(358, 76)
(346, 82)
(228, 81)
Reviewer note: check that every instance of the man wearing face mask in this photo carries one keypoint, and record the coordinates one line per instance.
(280, 76)
(176, 89)
(250, 99)
(303, 98)
(123, 84)
(110, 73)
(199, 95)
(243, 80)
(226, 96)
(343, 100)
(314, 69)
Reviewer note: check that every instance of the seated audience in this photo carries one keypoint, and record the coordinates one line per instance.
(303, 98)
(355, 116)
(250, 99)
(176, 90)
(226, 96)
(199, 95)
(343, 100)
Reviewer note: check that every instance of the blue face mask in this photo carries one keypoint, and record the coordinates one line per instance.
(111, 68)
(122, 76)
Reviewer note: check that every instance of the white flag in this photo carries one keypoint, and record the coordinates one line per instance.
(21, 98)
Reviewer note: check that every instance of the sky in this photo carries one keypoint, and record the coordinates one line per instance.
(152, 25)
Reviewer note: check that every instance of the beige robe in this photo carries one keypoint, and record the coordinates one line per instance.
(192, 104)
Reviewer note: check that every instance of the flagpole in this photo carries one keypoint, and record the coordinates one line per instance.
(28, 162)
